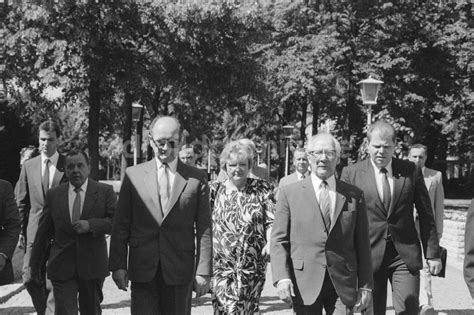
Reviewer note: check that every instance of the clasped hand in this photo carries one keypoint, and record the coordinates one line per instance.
(81, 226)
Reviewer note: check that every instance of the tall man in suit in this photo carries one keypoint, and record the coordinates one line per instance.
(391, 188)
(9, 231)
(77, 216)
(434, 184)
(163, 226)
(320, 248)
(37, 176)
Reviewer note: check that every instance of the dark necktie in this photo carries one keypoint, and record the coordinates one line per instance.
(386, 194)
(302, 176)
(45, 182)
(76, 206)
(163, 182)
(324, 205)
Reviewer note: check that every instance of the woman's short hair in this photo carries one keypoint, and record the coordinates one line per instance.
(238, 148)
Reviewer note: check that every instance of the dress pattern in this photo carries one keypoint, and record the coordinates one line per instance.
(240, 221)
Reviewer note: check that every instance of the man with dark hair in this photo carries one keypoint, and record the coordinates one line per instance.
(37, 176)
(162, 237)
(434, 184)
(77, 216)
(187, 155)
(391, 188)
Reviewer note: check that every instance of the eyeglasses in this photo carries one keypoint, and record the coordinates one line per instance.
(164, 142)
(319, 153)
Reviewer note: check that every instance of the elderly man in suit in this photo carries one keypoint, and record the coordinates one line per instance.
(10, 227)
(391, 188)
(469, 250)
(37, 176)
(77, 216)
(320, 250)
(434, 184)
(163, 228)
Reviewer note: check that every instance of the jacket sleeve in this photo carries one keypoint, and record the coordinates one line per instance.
(204, 232)
(439, 204)
(23, 199)
(42, 238)
(280, 240)
(10, 221)
(469, 250)
(101, 226)
(364, 254)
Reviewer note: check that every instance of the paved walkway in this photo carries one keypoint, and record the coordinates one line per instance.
(451, 297)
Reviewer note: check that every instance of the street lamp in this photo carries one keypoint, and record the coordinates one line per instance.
(137, 119)
(288, 134)
(369, 88)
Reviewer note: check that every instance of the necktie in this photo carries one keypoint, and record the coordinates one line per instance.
(302, 176)
(386, 194)
(45, 182)
(324, 205)
(76, 206)
(163, 182)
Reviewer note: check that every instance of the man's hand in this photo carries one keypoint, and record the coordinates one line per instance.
(3, 261)
(363, 300)
(202, 285)
(81, 227)
(285, 291)
(434, 265)
(120, 278)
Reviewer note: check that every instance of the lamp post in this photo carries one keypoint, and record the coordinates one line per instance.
(137, 119)
(369, 88)
(288, 134)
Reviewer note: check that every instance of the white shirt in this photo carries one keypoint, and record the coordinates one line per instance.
(72, 195)
(299, 175)
(331, 189)
(379, 178)
(53, 161)
(171, 171)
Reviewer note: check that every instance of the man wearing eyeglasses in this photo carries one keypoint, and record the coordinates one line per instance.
(163, 226)
(320, 250)
(391, 188)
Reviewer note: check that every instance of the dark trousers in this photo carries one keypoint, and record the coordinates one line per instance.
(327, 299)
(90, 296)
(158, 298)
(38, 294)
(405, 284)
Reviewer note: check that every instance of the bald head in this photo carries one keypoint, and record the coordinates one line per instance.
(165, 135)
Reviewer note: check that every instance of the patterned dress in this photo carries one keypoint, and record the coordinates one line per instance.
(240, 221)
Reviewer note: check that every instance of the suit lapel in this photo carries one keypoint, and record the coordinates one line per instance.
(90, 199)
(150, 181)
(370, 186)
(340, 201)
(178, 186)
(64, 205)
(59, 173)
(36, 180)
(308, 187)
(398, 183)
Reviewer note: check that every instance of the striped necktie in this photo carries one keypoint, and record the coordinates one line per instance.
(324, 205)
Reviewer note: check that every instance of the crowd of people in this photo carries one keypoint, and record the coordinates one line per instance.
(334, 238)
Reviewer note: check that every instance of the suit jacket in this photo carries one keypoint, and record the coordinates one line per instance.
(177, 241)
(9, 228)
(434, 185)
(71, 255)
(409, 188)
(302, 251)
(469, 250)
(30, 198)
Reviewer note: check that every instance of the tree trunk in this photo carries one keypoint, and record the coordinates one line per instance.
(127, 158)
(304, 115)
(93, 135)
(315, 117)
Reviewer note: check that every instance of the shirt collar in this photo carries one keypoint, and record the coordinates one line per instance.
(172, 166)
(298, 174)
(317, 181)
(83, 186)
(388, 167)
(53, 158)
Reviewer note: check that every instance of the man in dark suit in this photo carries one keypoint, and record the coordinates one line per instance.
(37, 176)
(77, 216)
(320, 250)
(469, 250)
(163, 226)
(9, 231)
(391, 188)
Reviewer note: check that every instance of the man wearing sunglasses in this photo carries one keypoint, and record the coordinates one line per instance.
(163, 225)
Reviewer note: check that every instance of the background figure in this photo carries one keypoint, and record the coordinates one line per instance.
(469, 250)
(242, 215)
(255, 171)
(434, 184)
(187, 155)
(76, 216)
(320, 248)
(10, 227)
(161, 204)
(391, 188)
(37, 176)
(301, 164)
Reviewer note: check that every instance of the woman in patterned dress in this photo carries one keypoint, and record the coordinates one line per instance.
(242, 213)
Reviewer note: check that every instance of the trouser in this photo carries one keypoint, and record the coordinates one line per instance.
(90, 296)
(327, 300)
